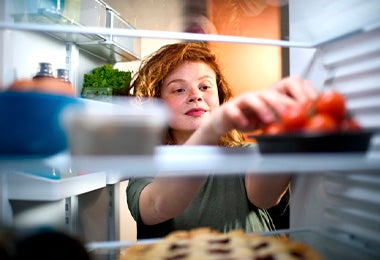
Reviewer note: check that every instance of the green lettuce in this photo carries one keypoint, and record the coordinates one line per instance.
(108, 77)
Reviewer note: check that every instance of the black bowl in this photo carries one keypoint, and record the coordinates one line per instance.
(314, 142)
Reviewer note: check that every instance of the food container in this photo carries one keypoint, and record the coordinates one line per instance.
(103, 94)
(34, 7)
(47, 11)
(83, 12)
(124, 127)
(31, 123)
(358, 141)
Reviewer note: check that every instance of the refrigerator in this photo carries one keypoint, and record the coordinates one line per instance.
(335, 200)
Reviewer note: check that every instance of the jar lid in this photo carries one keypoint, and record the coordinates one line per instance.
(45, 70)
(63, 74)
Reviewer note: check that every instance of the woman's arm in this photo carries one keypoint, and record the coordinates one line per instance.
(168, 197)
(266, 191)
(247, 112)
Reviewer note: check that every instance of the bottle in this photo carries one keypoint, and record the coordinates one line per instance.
(44, 81)
(45, 70)
(63, 75)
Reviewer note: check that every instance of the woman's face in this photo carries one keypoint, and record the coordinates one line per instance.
(191, 93)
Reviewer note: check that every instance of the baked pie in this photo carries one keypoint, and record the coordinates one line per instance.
(204, 243)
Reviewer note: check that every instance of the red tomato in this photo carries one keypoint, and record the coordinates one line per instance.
(296, 116)
(350, 125)
(274, 129)
(333, 104)
(321, 123)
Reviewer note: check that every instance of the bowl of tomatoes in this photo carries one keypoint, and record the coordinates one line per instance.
(322, 125)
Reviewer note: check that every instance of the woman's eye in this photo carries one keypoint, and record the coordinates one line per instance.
(205, 87)
(179, 90)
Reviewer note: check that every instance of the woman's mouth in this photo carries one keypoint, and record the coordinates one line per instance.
(195, 112)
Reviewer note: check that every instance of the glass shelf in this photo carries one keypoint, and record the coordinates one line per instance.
(89, 36)
(200, 160)
(24, 186)
(223, 21)
(102, 46)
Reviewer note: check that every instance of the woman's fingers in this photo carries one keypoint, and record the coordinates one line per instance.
(276, 102)
(251, 110)
(297, 88)
(247, 112)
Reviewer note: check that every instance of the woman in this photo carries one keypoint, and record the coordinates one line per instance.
(187, 78)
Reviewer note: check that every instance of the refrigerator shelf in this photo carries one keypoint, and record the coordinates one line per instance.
(201, 160)
(70, 30)
(96, 44)
(24, 186)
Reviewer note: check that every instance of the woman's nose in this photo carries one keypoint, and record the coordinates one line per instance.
(195, 95)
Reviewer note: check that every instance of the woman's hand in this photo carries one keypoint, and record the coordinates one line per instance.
(298, 89)
(251, 110)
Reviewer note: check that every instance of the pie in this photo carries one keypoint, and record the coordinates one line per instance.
(204, 243)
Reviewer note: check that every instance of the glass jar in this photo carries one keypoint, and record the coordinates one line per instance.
(45, 70)
(63, 74)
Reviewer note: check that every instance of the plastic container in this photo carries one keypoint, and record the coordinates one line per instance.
(83, 12)
(33, 6)
(104, 94)
(46, 11)
(123, 127)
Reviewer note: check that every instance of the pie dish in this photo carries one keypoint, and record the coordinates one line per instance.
(204, 243)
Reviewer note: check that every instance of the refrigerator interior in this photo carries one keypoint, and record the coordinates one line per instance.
(334, 44)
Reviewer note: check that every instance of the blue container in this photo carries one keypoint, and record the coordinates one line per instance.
(31, 123)
(35, 6)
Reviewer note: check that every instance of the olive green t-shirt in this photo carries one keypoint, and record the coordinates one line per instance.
(221, 204)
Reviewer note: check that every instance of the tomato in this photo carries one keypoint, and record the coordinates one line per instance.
(350, 125)
(274, 129)
(331, 103)
(296, 116)
(321, 123)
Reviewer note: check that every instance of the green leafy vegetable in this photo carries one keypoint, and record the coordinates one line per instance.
(108, 77)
